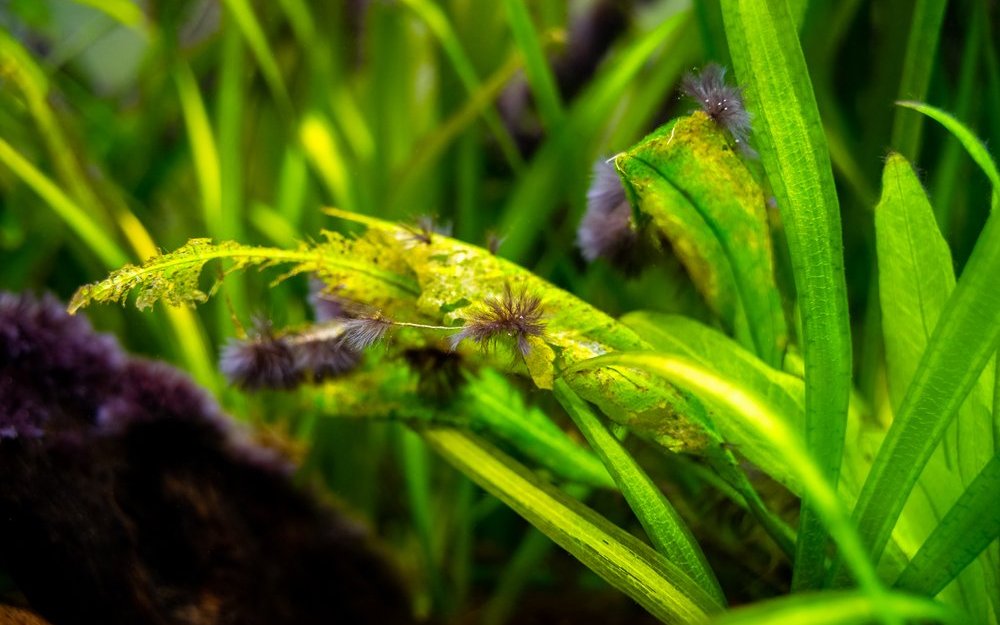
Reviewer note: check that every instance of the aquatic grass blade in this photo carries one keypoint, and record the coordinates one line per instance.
(969, 527)
(840, 608)
(921, 52)
(664, 526)
(758, 414)
(619, 558)
(536, 66)
(789, 134)
(965, 338)
(916, 277)
(976, 149)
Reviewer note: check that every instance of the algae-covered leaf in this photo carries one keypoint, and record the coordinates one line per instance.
(688, 183)
(173, 278)
(358, 266)
(455, 278)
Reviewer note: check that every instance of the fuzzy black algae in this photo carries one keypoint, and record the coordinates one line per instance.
(130, 497)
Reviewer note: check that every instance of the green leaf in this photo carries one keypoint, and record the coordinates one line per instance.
(498, 408)
(760, 415)
(664, 527)
(915, 279)
(454, 275)
(619, 558)
(970, 526)
(686, 180)
(673, 334)
(921, 51)
(789, 133)
(536, 66)
(487, 403)
(839, 608)
(969, 141)
(915, 271)
(964, 339)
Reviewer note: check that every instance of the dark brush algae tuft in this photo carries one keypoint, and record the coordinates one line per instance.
(130, 497)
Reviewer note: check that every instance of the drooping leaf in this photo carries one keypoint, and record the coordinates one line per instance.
(455, 277)
(967, 138)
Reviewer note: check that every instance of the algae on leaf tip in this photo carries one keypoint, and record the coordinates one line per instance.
(695, 192)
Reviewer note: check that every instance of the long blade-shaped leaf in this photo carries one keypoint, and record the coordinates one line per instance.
(838, 608)
(968, 528)
(925, 30)
(685, 178)
(965, 338)
(972, 145)
(536, 66)
(916, 277)
(971, 525)
(665, 528)
(916, 273)
(789, 133)
(758, 414)
(618, 557)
